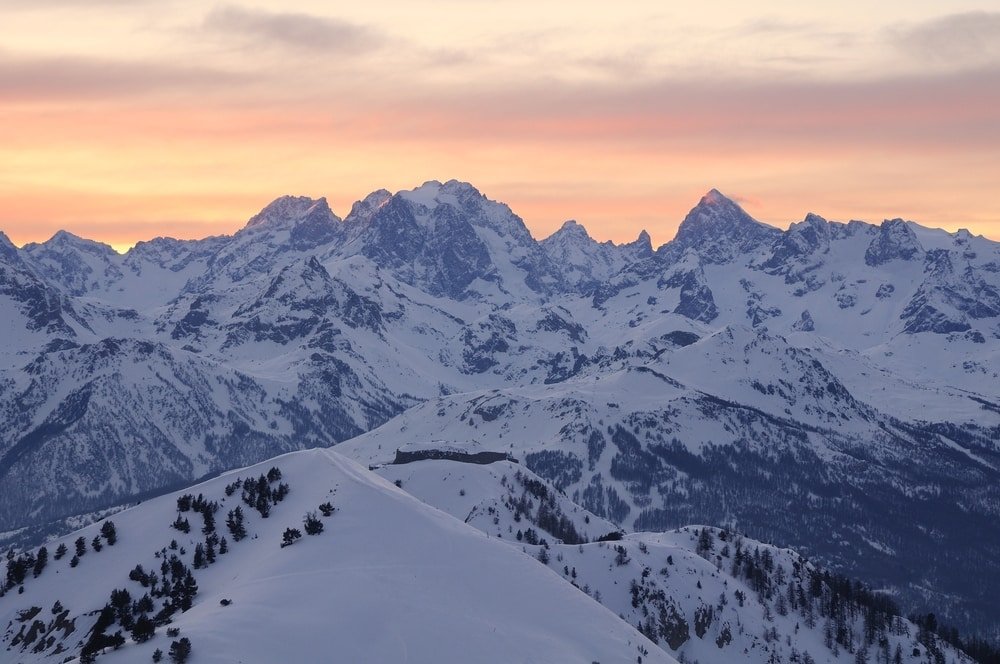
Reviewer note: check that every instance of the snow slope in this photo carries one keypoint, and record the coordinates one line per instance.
(391, 578)
(388, 579)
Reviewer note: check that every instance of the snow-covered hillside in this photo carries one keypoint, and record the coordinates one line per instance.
(387, 579)
(310, 557)
(831, 387)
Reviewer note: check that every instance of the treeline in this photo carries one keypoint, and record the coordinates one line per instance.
(978, 649)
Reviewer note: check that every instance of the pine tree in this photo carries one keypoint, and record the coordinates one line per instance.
(41, 560)
(96, 543)
(60, 551)
(109, 532)
(208, 515)
(143, 630)
(326, 509)
(157, 655)
(234, 522)
(223, 547)
(74, 561)
(199, 556)
(181, 524)
(81, 546)
(145, 604)
(289, 537)
(180, 650)
(210, 549)
(705, 543)
(187, 591)
(263, 505)
(312, 524)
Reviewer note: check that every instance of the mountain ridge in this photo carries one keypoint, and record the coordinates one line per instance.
(827, 354)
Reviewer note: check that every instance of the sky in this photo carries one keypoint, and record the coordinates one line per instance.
(122, 120)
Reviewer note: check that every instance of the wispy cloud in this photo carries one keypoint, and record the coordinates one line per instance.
(775, 28)
(90, 5)
(306, 32)
(64, 77)
(968, 39)
(944, 110)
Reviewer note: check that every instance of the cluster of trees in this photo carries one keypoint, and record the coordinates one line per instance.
(854, 618)
(549, 517)
(978, 649)
(257, 492)
(180, 651)
(175, 583)
(661, 619)
(310, 523)
(204, 553)
(207, 509)
(19, 565)
(236, 524)
(530, 536)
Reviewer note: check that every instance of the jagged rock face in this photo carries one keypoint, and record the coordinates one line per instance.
(445, 237)
(77, 265)
(720, 230)
(303, 330)
(288, 226)
(35, 306)
(170, 254)
(808, 237)
(586, 263)
(695, 297)
(947, 300)
(895, 241)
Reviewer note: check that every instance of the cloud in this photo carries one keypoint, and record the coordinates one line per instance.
(968, 39)
(775, 28)
(947, 110)
(90, 5)
(59, 78)
(292, 30)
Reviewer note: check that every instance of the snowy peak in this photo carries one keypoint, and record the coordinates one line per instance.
(65, 241)
(809, 236)
(448, 239)
(572, 229)
(895, 240)
(719, 229)
(641, 247)
(8, 251)
(571, 237)
(75, 264)
(715, 210)
(288, 211)
(362, 211)
(584, 262)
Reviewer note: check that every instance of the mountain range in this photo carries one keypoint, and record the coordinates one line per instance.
(831, 387)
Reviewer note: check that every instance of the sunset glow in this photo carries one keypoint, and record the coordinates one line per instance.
(124, 120)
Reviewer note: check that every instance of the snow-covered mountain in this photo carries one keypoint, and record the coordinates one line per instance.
(374, 576)
(832, 387)
(310, 553)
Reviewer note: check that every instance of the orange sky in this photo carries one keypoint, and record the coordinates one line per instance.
(121, 120)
